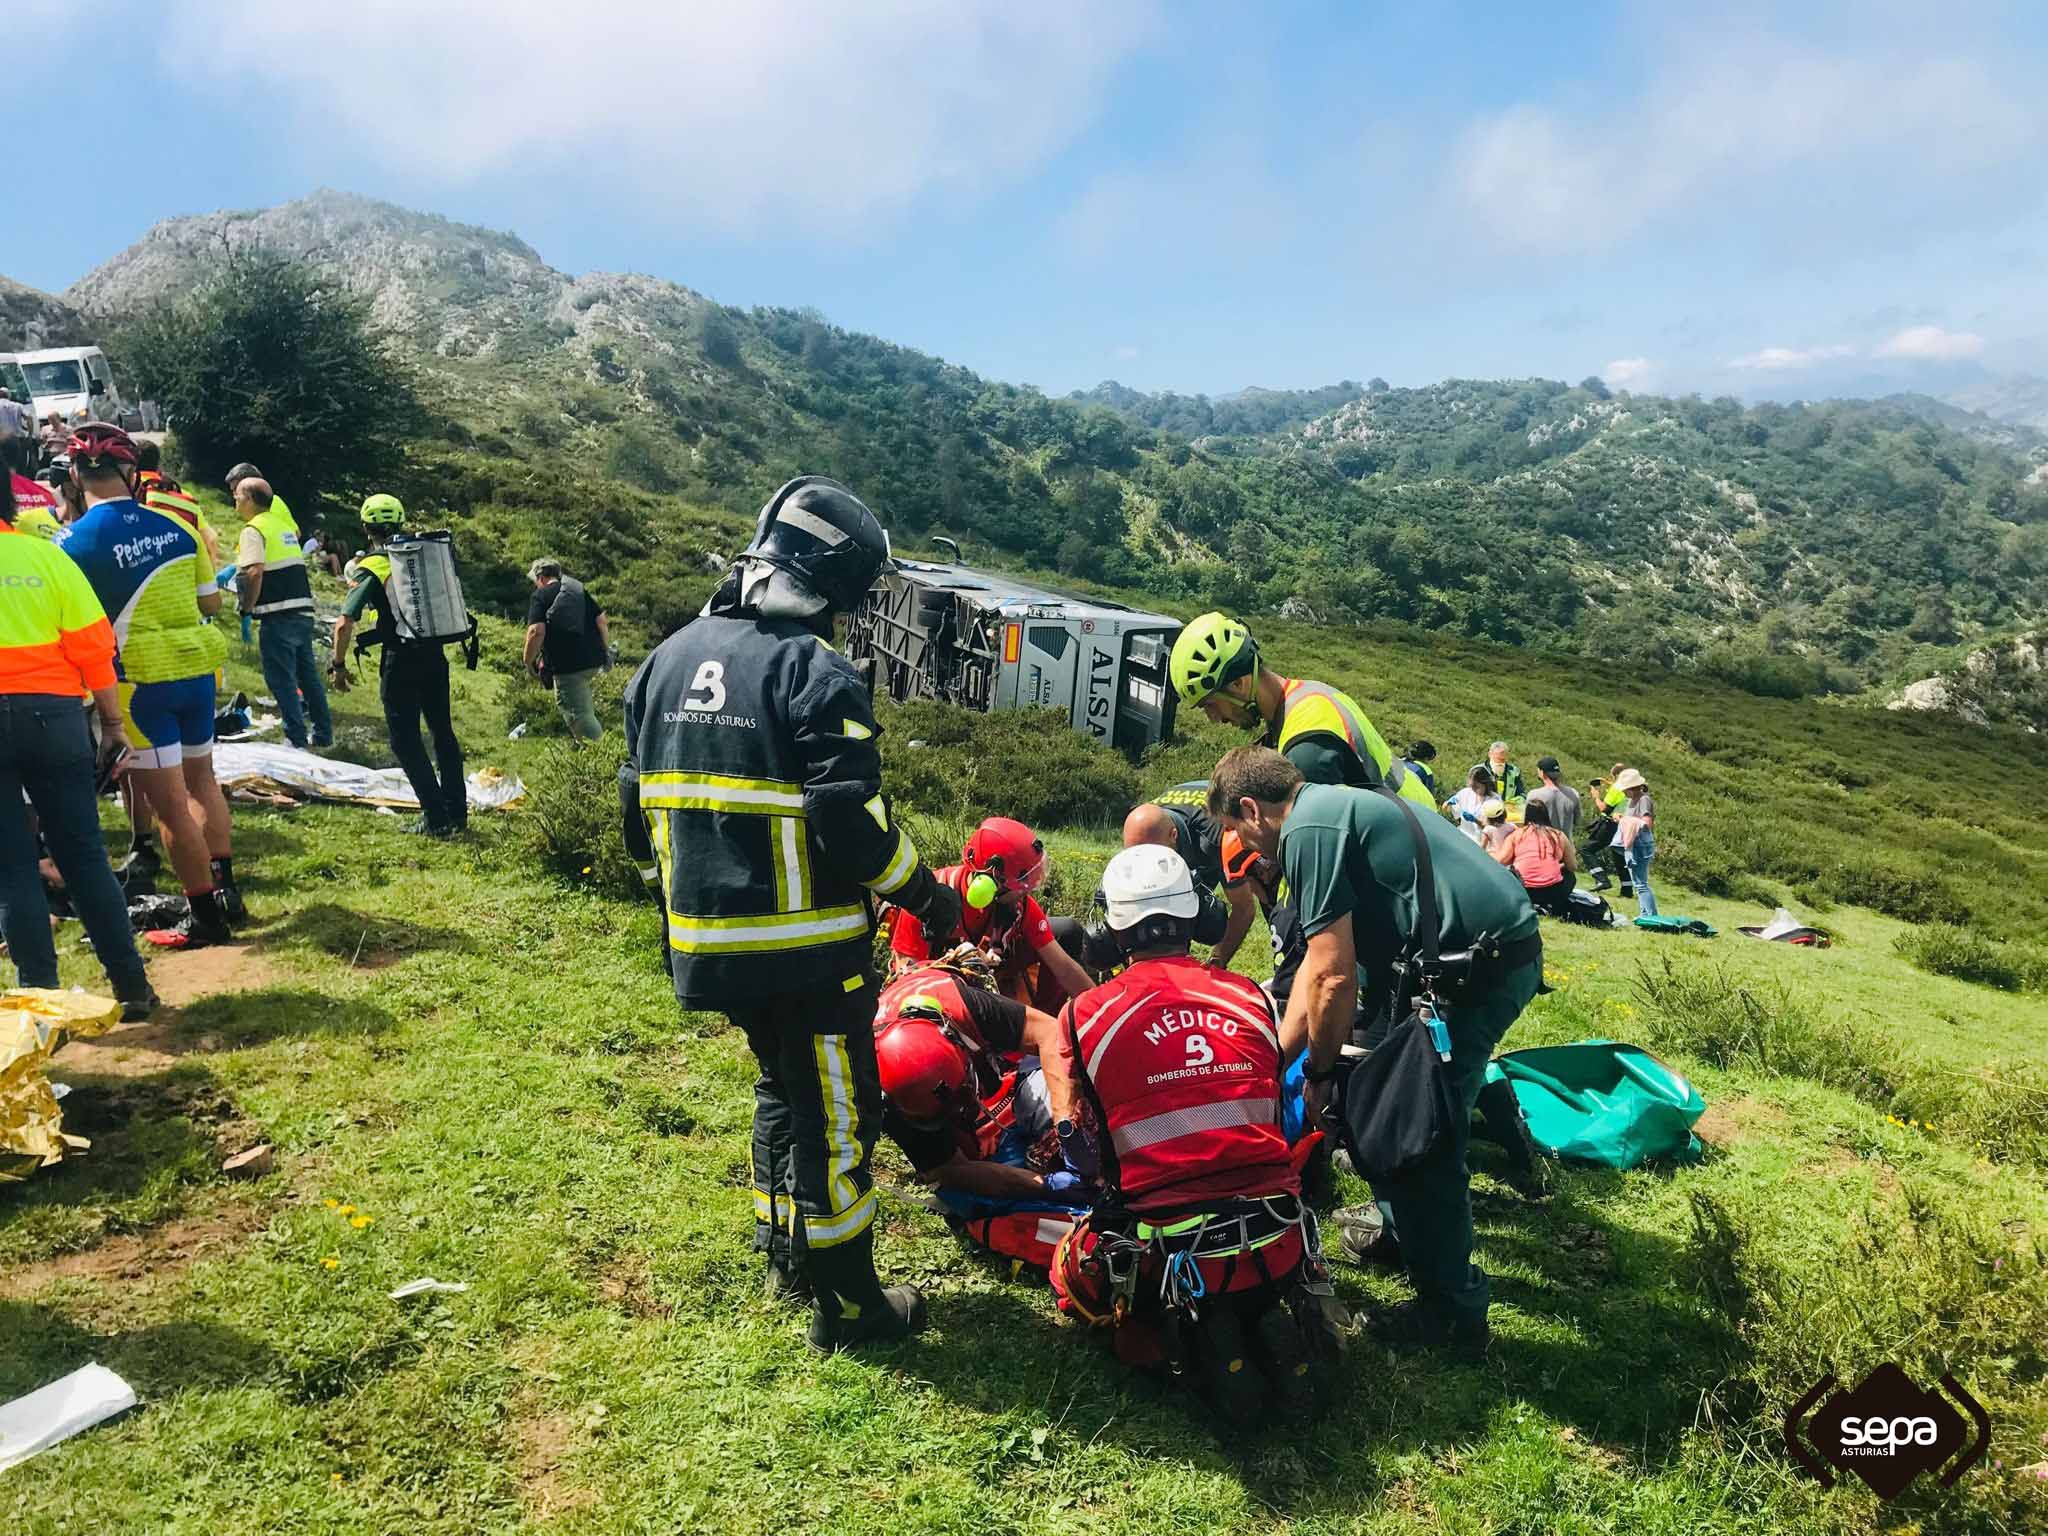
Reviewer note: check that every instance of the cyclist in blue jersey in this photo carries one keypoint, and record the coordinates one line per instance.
(157, 586)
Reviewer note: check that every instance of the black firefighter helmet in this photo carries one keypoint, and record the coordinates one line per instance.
(824, 538)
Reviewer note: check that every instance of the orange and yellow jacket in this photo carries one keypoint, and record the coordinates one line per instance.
(54, 635)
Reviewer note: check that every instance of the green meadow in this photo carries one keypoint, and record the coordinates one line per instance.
(472, 1068)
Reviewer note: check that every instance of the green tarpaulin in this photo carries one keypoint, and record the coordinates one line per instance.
(1604, 1102)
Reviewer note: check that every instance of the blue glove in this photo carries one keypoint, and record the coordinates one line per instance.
(1061, 1181)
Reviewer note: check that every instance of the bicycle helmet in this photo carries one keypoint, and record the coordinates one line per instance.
(382, 511)
(100, 445)
(1213, 652)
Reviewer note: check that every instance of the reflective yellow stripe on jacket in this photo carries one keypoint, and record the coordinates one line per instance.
(770, 930)
(1317, 709)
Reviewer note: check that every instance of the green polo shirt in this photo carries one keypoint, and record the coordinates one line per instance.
(1350, 851)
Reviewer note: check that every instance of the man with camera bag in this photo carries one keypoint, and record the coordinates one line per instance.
(1451, 935)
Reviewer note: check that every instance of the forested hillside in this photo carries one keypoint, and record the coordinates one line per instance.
(1793, 548)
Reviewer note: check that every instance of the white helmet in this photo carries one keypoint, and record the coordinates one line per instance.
(1147, 882)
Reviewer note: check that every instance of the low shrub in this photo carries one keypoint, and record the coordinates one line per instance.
(571, 815)
(1029, 764)
(525, 702)
(1929, 1279)
(1900, 893)
(1946, 949)
(1708, 1012)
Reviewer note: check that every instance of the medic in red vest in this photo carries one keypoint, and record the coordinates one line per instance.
(1000, 866)
(974, 1094)
(1199, 1252)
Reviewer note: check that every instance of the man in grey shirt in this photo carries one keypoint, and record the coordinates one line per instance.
(1558, 798)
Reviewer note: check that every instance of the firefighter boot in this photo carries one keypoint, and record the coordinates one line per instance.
(852, 1307)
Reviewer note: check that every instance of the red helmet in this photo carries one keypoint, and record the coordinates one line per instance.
(1007, 851)
(923, 1072)
(98, 442)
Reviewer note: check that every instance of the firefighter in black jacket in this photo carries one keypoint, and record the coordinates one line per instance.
(759, 804)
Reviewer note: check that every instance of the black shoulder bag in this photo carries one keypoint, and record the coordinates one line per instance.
(1395, 1106)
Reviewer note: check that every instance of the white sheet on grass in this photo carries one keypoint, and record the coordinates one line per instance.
(269, 767)
(34, 1423)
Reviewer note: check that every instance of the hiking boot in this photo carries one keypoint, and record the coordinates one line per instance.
(139, 870)
(1276, 1340)
(426, 827)
(205, 924)
(900, 1315)
(1411, 1325)
(1365, 1237)
(136, 1010)
(786, 1281)
(1225, 1372)
(231, 905)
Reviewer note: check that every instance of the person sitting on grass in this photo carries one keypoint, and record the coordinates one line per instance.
(1542, 859)
(1493, 824)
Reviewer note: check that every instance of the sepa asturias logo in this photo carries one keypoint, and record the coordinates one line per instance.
(1886, 1431)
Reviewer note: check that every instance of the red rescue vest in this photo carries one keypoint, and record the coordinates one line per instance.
(1183, 1059)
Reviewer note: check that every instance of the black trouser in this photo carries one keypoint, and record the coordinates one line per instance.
(413, 683)
(817, 1112)
(1555, 900)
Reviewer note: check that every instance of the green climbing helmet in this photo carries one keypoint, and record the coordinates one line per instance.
(1212, 652)
(382, 511)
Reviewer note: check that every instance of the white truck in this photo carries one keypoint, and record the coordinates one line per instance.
(986, 642)
(66, 380)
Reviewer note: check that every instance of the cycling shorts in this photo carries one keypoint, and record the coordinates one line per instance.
(169, 722)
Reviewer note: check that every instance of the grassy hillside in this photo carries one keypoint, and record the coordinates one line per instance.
(478, 1054)
(1795, 549)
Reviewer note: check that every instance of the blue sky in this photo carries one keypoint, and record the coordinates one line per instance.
(1179, 195)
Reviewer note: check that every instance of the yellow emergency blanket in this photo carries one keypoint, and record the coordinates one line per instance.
(34, 1021)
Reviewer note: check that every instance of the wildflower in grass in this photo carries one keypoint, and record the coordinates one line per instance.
(331, 1202)
(330, 1262)
(586, 869)
(344, 1209)
(360, 1222)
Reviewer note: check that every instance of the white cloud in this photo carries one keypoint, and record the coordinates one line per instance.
(1628, 372)
(1742, 127)
(1930, 343)
(1780, 359)
(742, 116)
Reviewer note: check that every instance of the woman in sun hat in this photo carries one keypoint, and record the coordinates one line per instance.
(1638, 837)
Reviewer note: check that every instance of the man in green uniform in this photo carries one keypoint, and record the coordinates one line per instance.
(1216, 668)
(1349, 857)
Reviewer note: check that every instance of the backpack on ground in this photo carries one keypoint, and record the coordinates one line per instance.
(425, 592)
(1587, 907)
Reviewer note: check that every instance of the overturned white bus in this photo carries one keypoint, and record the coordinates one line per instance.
(985, 641)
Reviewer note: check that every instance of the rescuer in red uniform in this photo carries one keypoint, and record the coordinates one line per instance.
(974, 1093)
(1000, 866)
(1199, 1252)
